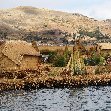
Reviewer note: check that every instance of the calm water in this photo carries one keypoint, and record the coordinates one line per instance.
(82, 99)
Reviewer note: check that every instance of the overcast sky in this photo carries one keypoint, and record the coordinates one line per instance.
(98, 9)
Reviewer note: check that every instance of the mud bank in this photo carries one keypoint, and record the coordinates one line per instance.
(30, 83)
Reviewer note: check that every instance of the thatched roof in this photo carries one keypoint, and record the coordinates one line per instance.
(104, 46)
(15, 50)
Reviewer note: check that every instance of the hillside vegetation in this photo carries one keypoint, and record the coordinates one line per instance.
(28, 23)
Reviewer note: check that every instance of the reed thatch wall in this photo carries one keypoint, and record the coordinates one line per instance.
(7, 64)
(106, 51)
(29, 62)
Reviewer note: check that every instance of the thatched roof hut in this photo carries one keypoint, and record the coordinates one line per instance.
(105, 47)
(18, 55)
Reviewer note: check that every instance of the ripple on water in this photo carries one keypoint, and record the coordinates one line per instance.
(74, 99)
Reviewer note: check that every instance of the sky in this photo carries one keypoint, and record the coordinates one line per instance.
(98, 9)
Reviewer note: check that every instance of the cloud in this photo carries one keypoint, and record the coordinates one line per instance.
(102, 11)
(98, 10)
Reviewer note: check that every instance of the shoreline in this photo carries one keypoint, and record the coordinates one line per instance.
(55, 82)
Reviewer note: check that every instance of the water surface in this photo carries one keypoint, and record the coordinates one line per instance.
(79, 99)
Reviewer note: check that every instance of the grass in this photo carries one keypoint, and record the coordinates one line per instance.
(54, 48)
(55, 71)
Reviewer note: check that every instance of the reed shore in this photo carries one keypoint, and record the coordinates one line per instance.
(54, 81)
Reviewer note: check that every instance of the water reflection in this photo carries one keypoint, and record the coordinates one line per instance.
(80, 99)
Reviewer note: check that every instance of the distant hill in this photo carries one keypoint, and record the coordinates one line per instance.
(29, 23)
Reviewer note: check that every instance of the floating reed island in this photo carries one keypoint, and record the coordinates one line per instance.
(29, 79)
(79, 67)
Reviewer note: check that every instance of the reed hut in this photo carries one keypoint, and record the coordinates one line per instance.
(18, 55)
(105, 48)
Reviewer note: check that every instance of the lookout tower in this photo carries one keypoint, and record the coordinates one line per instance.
(78, 62)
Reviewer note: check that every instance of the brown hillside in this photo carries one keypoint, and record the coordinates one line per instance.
(19, 22)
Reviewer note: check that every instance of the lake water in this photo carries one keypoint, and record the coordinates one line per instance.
(79, 99)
